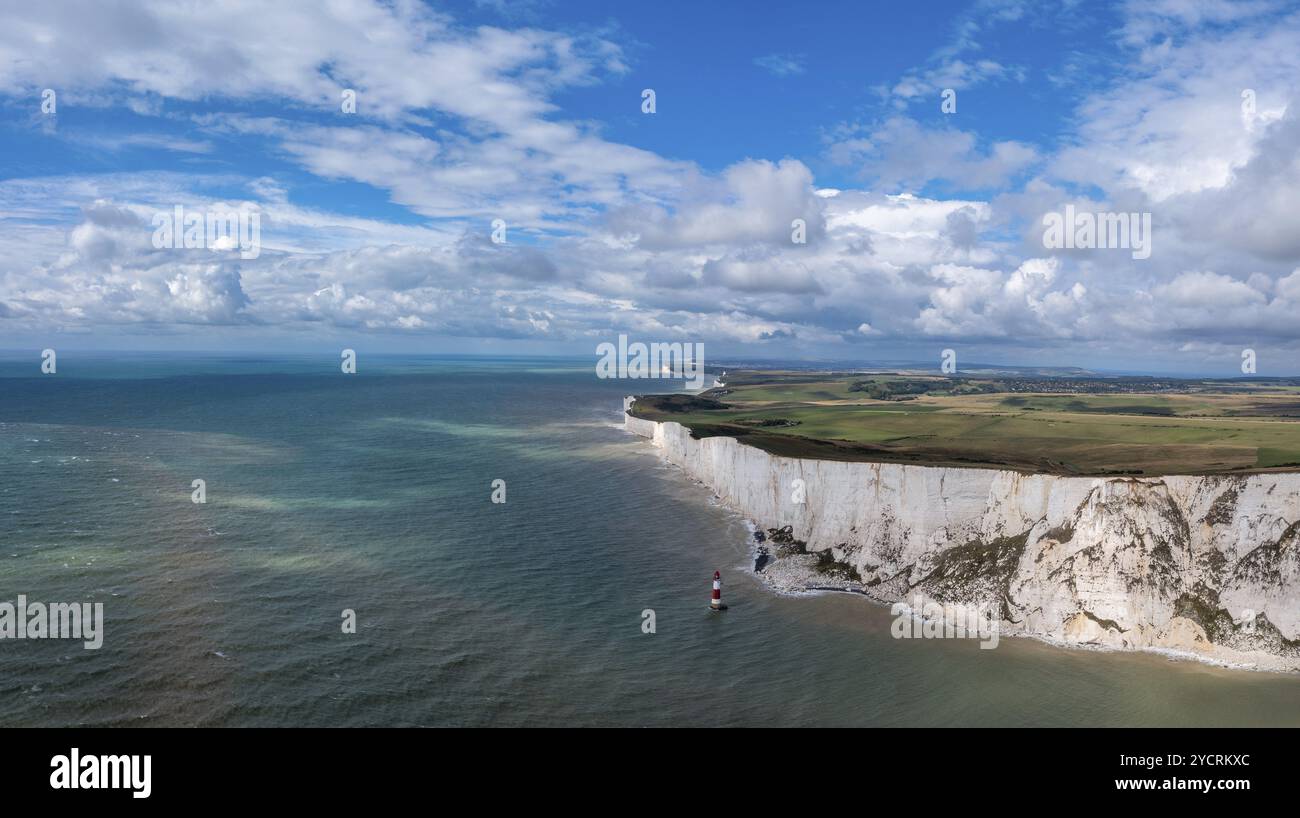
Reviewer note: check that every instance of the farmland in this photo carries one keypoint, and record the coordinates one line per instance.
(1077, 426)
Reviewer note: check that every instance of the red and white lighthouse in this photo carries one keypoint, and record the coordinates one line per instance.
(715, 604)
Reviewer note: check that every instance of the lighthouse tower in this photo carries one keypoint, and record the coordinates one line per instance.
(715, 604)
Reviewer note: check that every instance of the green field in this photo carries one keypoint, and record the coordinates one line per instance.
(1185, 427)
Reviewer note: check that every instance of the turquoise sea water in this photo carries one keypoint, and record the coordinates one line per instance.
(373, 493)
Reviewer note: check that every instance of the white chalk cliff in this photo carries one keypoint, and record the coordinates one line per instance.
(1206, 565)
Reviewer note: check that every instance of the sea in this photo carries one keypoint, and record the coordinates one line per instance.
(368, 498)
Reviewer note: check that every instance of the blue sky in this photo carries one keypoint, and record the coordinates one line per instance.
(924, 227)
(734, 82)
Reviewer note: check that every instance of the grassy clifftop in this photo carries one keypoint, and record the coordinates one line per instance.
(1071, 426)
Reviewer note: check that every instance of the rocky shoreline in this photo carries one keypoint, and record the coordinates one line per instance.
(800, 574)
(787, 566)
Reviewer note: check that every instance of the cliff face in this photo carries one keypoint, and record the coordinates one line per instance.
(1209, 565)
